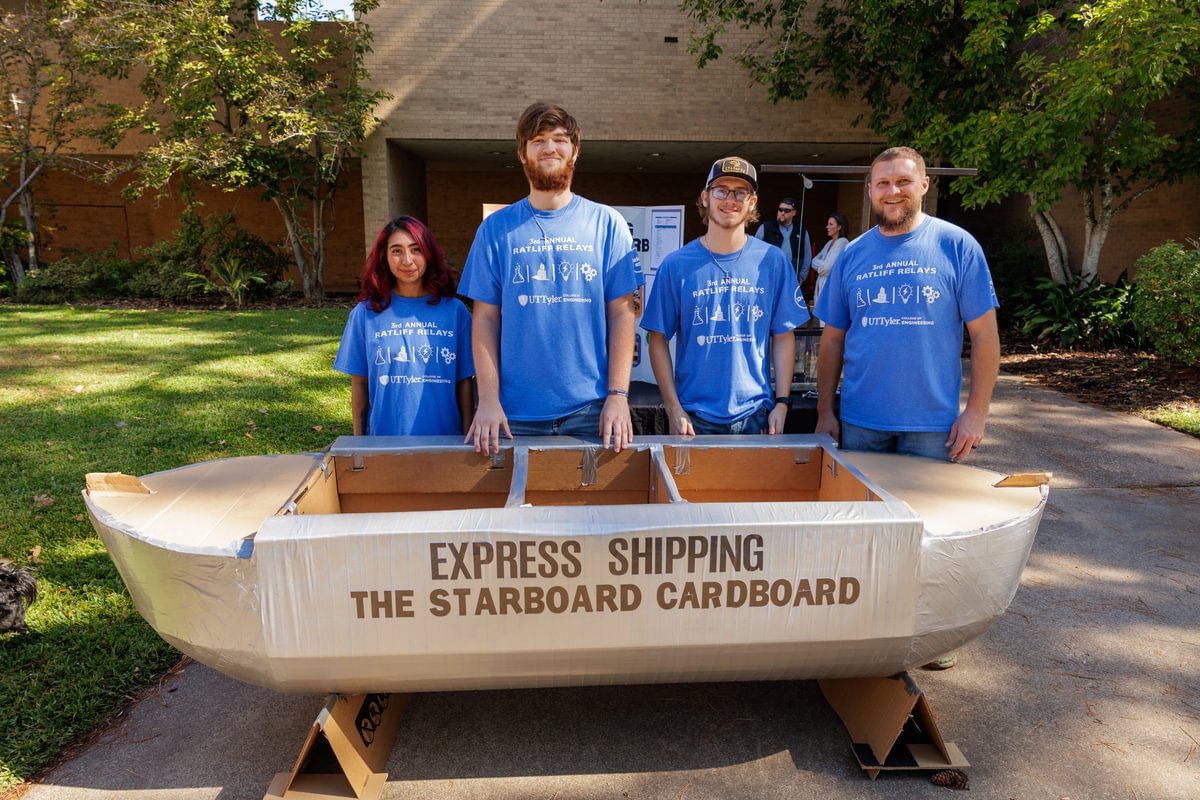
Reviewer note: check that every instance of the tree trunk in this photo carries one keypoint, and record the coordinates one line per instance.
(1096, 222)
(29, 214)
(15, 267)
(23, 196)
(318, 248)
(312, 283)
(1053, 242)
(1096, 234)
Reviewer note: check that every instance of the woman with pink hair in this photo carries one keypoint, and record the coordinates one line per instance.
(407, 344)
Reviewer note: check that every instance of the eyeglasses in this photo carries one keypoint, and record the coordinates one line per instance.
(722, 193)
(785, 210)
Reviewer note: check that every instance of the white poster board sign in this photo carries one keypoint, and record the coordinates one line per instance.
(657, 231)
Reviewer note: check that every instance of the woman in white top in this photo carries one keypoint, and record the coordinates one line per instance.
(823, 261)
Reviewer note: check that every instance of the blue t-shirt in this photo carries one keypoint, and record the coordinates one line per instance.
(725, 308)
(902, 301)
(552, 274)
(413, 355)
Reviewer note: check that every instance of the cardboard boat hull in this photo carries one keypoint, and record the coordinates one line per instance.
(414, 564)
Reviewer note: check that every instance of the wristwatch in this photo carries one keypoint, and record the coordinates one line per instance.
(787, 401)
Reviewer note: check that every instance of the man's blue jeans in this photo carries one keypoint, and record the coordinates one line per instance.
(930, 444)
(584, 423)
(749, 424)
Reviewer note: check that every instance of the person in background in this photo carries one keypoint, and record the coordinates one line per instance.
(407, 343)
(732, 301)
(894, 308)
(787, 234)
(823, 261)
(553, 278)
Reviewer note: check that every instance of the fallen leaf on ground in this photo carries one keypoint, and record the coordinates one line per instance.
(42, 500)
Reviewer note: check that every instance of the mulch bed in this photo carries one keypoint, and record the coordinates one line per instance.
(1113, 379)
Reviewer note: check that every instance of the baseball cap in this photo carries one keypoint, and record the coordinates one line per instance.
(733, 167)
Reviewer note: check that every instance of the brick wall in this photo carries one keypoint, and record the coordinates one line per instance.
(468, 75)
(1166, 213)
(83, 215)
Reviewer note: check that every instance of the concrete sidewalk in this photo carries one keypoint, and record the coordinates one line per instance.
(1088, 688)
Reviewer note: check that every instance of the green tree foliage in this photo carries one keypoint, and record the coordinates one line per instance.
(1038, 96)
(52, 54)
(278, 105)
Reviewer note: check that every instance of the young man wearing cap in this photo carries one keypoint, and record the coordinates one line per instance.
(733, 301)
(788, 234)
(553, 278)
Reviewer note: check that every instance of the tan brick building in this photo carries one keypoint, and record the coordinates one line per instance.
(461, 73)
(652, 123)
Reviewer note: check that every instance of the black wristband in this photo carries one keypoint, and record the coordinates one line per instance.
(787, 401)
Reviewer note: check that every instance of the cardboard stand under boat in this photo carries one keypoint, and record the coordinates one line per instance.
(415, 564)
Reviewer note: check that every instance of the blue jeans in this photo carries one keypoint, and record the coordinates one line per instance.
(930, 444)
(583, 423)
(751, 423)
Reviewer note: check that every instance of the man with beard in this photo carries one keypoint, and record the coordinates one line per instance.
(733, 299)
(894, 308)
(553, 278)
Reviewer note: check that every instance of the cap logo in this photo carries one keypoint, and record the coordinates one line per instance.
(735, 165)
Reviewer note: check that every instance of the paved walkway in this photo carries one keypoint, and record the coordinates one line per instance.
(1088, 688)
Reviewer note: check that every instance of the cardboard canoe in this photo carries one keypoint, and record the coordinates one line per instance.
(415, 564)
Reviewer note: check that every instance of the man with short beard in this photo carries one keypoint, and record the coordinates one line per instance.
(894, 309)
(730, 301)
(553, 278)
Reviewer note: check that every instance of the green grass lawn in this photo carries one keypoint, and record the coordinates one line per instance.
(1183, 417)
(104, 390)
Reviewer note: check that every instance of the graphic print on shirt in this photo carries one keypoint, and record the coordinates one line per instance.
(554, 281)
(406, 394)
(419, 345)
(894, 300)
(722, 302)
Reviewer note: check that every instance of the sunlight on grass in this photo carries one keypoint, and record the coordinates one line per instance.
(89, 390)
(1183, 417)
